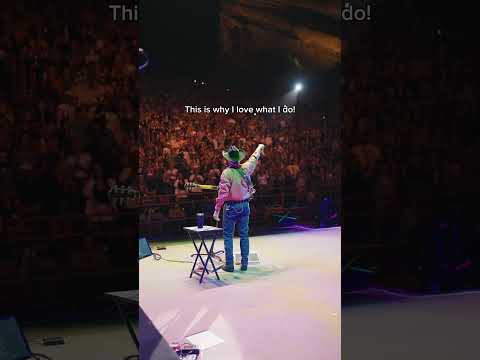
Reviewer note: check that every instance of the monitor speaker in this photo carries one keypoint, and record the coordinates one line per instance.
(144, 249)
(13, 345)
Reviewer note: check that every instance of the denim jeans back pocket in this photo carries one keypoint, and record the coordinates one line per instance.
(238, 208)
(234, 210)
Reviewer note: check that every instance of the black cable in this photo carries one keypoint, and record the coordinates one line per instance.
(178, 261)
(159, 257)
(131, 357)
(40, 356)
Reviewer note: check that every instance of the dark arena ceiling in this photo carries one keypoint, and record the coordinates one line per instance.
(305, 31)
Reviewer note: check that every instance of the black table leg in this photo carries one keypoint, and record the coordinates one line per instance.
(209, 253)
(204, 244)
(127, 322)
(209, 257)
(196, 258)
(198, 255)
(205, 264)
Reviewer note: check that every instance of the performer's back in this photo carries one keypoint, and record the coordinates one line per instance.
(235, 191)
(239, 180)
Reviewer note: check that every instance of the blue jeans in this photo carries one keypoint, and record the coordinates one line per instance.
(236, 214)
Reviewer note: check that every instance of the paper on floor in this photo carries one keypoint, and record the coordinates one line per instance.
(204, 340)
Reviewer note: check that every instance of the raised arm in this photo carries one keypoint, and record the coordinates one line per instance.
(251, 163)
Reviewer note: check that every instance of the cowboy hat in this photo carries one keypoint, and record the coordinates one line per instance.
(234, 154)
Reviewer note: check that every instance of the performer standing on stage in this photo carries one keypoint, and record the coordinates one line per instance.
(235, 190)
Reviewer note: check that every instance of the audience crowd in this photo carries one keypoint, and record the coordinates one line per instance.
(68, 107)
(68, 126)
(301, 162)
(69, 131)
(178, 147)
(409, 145)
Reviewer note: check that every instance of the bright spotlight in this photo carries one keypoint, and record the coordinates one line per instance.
(298, 87)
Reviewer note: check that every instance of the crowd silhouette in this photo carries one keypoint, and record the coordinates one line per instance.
(409, 145)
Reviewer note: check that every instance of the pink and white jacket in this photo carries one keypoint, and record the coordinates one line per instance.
(234, 184)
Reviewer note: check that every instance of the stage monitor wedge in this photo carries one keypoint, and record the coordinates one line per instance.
(144, 249)
(13, 345)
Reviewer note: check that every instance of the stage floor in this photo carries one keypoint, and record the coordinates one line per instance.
(288, 307)
(441, 327)
(83, 341)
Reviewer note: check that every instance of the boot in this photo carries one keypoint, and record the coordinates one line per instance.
(228, 268)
